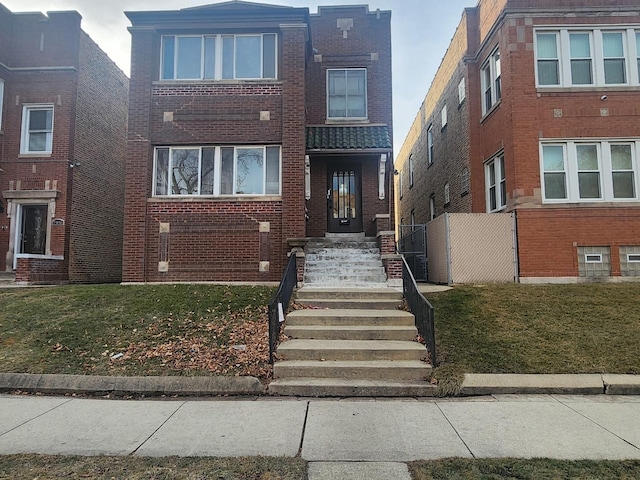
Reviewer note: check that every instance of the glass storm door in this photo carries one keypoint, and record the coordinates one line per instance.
(33, 229)
(344, 200)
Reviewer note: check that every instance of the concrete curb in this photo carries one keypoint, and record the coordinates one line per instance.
(147, 386)
(580, 384)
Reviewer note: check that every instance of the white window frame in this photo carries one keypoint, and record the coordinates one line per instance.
(432, 207)
(595, 258)
(491, 89)
(462, 91)
(1, 101)
(217, 173)
(631, 58)
(218, 67)
(401, 182)
(499, 183)
(447, 194)
(26, 133)
(633, 257)
(366, 93)
(443, 116)
(430, 153)
(411, 171)
(605, 169)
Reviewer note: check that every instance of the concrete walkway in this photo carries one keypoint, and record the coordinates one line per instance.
(365, 438)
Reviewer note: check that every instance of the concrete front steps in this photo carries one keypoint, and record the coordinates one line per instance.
(351, 350)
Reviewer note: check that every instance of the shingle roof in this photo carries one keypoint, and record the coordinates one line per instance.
(336, 137)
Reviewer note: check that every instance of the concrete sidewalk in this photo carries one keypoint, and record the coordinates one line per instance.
(382, 434)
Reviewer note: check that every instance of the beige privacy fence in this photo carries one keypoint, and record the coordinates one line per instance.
(472, 247)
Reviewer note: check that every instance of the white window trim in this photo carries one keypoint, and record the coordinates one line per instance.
(447, 194)
(501, 203)
(443, 116)
(411, 171)
(597, 55)
(401, 183)
(432, 207)
(430, 154)
(462, 91)
(24, 135)
(633, 257)
(605, 169)
(490, 65)
(217, 172)
(218, 73)
(366, 94)
(595, 258)
(1, 101)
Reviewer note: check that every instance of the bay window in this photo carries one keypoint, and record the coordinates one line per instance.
(217, 171)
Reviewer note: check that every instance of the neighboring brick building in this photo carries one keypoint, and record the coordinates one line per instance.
(63, 108)
(242, 119)
(542, 102)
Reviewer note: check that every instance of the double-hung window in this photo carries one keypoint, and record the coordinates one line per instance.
(347, 93)
(430, 152)
(491, 78)
(217, 171)
(579, 57)
(37, 129)
(219, 57)
(410, 171)
(496, 184)
(579, 171)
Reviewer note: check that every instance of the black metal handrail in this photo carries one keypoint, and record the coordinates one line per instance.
(280, 303)
(422, 310)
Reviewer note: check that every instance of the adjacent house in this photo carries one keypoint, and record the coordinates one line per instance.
(63, 108)
(535, 111)
(252, 127)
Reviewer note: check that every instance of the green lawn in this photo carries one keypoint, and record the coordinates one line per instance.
(514, 328)
(159, 330)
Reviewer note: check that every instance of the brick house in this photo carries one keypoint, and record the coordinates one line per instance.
(251, 127)
(535, 110)
(63, 107)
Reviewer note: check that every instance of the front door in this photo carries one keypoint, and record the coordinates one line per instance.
(344, 199)
(33, 230)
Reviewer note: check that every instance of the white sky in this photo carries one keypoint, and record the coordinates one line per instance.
(421, 32)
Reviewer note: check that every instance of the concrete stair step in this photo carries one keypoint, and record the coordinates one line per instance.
(329, 283)
(351, 350)
(338, 267)
(347, 280)
(355, 253)
(330, 387)
(339, 317)
(308, 292)
(339, 303)
(392, 371)
(352, 332)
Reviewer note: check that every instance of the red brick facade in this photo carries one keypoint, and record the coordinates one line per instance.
(48, 62)
(531, 115)
(234, 237)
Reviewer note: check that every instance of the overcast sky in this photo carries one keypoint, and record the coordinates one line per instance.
(421, 31)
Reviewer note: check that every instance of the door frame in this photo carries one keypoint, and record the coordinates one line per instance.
(355, 225)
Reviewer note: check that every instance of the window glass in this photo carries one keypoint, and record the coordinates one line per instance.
(228, 56)
(168, 57)
(623, 175)
(588, 171)
(189, 57)
(273, 170)
(430, 144)
(614, 64)
(248, 58)
(207, 173)
(38, 133)
(498, 77)
(162, 171)
(580, 47)
(638, 51)
(347, 93)
(548, 65)
(555, 185)
(209, 57)
(185, 170)
(269, 55)
(1, 100)
(226, 171)
(249, 171)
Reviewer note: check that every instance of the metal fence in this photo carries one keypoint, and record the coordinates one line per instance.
(280, 303)
(413, 245)
(421, 309)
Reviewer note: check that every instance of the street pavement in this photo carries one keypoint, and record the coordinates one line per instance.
(370, 438)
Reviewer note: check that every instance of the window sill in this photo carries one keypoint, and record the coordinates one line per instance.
(489, 112)
(221, 199)
(208, 81)
(35, 155)
(40, 257)
(586, 88)
(593, 204)
(343, 121)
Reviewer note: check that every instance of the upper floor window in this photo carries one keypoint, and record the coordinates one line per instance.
(432, 206)
(447, 194)
(430, 144)
(1, 100)
(443, 116)
(491, 78)
(462, 91)
(496, 184)
(401, 183)
(590, 171)
(410, 170)
(464, 180)
(37, 129)
(219, 57)
(587, 58)
(347, 93)
(250, 170)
